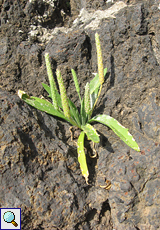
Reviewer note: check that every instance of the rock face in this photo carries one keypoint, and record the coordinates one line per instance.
(39, 168)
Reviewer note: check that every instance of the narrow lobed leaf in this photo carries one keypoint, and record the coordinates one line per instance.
(91, 133)
(95, 83)
(120, 130)
(73, 110)
(93, 98)
(41, 104)
(74, 113)
(83, 115)
(75, 80)
(82, 156)
(47, 88)
(76, 83)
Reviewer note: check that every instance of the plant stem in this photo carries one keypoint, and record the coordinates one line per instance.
(87, 99)
(99, 59)
(95, 102)
(76, 84)
(63, 93)
(100, 67)
(51, 81)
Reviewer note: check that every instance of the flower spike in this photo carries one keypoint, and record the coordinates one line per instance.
(99, 59)
(63, 93)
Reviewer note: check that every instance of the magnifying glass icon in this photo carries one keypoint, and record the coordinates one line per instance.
(9, 217)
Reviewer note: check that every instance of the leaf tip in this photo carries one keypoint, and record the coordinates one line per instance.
(21, 93)
(138, 149)
(86, 177)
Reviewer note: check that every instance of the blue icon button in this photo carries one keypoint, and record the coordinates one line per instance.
(10, 218)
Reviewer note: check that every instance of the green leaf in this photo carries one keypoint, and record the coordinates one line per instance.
(42, 105)
(120, 130)
(75, 80)
(76, 83)
(73, 109)
(45, 106)
(93, 98)
(63, 93)
(51, 81)
(83, 116)
(87, 104)
(82, 156)
(47, 88)
(74, 113)
(91, 133)
(95, 83)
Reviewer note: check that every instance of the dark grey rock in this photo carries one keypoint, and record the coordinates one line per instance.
(34, 173)
(3, 51)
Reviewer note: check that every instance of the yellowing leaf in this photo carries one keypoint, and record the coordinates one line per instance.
(82, 156)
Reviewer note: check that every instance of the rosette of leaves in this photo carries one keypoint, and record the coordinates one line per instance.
(64, 108)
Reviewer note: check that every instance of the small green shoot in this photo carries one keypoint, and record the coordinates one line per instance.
(62, 107)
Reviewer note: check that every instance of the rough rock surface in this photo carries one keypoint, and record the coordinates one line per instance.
(38, 161)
